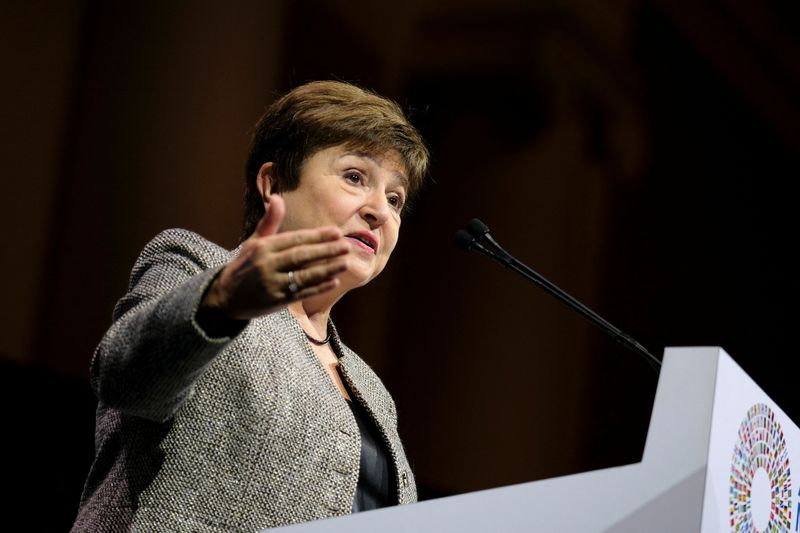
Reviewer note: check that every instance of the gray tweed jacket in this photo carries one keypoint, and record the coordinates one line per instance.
(220, 434)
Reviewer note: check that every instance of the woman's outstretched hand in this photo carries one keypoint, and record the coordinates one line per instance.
(258, 280)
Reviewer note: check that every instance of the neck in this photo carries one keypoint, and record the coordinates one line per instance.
(313, 314)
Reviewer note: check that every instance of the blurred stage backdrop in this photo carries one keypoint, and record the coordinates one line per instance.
(644, 155)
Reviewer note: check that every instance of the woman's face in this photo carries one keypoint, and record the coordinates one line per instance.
(362, 194)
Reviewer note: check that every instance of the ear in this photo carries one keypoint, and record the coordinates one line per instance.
(265, 181)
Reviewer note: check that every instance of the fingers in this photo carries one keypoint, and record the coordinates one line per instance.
(256, 281)
(291, 239)
(316, 274)
(270, 223)
(315, 279)
(303, 256)
(269, 240)
(248, 288)
(296, 249)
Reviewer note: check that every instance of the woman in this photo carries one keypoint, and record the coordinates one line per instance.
(227, 401)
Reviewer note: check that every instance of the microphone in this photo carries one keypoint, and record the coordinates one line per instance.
(477, 238)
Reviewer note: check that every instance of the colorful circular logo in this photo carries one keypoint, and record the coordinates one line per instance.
(761, 480)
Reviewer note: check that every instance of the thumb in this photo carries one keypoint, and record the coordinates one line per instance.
(270, 223)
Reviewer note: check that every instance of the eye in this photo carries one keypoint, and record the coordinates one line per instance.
(396, 201)
(353, 177)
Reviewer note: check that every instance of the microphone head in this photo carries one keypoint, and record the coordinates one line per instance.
(476, 228)
(463, 240)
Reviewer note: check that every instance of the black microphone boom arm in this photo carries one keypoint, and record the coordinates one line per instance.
(478, 239)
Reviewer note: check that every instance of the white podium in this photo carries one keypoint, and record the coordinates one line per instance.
(718, 458)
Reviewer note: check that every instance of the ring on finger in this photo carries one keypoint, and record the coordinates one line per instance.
(293, 287)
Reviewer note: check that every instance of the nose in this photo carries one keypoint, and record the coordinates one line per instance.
(376, 210)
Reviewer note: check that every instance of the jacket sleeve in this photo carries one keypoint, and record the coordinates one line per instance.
(148, 361)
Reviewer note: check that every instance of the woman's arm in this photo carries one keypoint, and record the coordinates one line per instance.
(188, 299)
(155, 350)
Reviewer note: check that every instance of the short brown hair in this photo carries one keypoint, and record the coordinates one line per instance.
(319, 115)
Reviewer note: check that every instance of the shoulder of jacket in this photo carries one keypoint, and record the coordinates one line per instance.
(182, 241)
(179, 248)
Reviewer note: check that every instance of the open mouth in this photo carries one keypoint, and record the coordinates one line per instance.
(366, 239)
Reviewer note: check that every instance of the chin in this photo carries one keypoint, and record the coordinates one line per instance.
(358, 279)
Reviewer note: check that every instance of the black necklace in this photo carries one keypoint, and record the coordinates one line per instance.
(322, 342)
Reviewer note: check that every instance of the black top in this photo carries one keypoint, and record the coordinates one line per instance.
(376, 484)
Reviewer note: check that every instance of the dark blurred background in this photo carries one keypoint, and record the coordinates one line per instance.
(643, 155)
